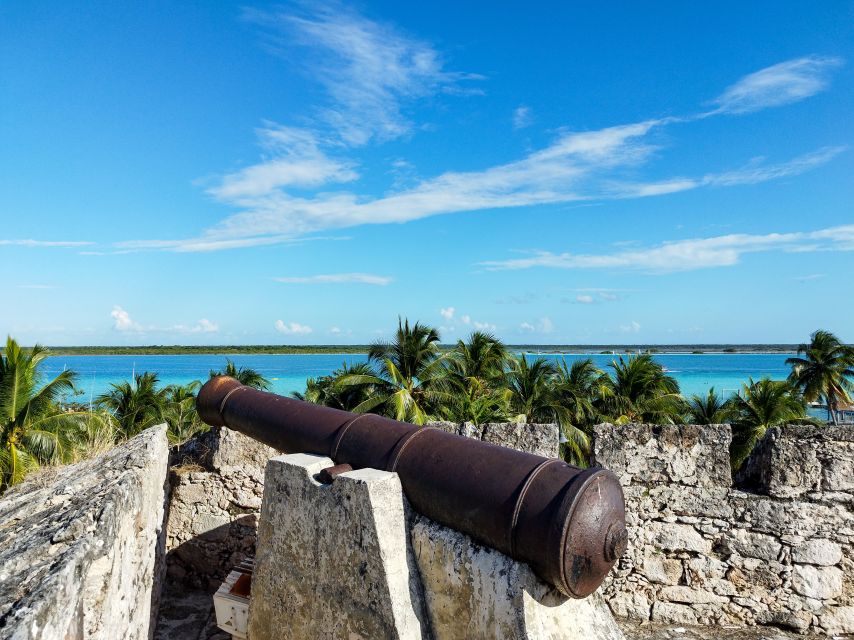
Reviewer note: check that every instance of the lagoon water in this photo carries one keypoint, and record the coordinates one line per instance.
(695, 372)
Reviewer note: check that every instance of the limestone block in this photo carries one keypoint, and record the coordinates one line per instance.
(822, 583)
(81, 552)
(817, 551)
(838, 474)
(540, 439)
(670, 612)
(838, 620)
(475, 592)
(689, 595)
(753, 545)
(677, 537)
(662, 570)
(630, 605)
(333, 561)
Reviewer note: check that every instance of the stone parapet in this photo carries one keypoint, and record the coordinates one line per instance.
(351, 560)
(703, 552)
(81, 548)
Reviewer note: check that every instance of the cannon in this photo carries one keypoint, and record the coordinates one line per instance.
(567, 523)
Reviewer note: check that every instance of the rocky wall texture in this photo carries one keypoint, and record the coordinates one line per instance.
(541, 439)
(352, 560)
(704, 552)
(217, 480)
(81, 550)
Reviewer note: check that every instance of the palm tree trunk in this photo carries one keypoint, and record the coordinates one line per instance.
(831, 410)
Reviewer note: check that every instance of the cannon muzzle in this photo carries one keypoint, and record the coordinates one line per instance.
(567, 523)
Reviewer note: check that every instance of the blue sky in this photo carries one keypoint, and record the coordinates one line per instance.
(220, 173)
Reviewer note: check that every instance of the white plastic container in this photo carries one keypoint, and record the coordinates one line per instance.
(231, 601)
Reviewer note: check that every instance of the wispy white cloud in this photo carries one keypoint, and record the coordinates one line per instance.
(687, 255)
(338, 278)
(584, 298)
(123, 322)
(293, 158)
(631, 327)
(811, 277)
(370, 70)
(777, 85)
(522, 117)
(447, 313)
(576, 167)
(44, 243)
(543, 325)
(292, 328)
(203, 326)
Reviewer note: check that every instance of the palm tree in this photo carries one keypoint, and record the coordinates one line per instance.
(575, 390)
(179, 412)
(335, 390)
(824, 371)
(474, 374)
(135, 406)
(244, 375)
(708, 409)
(406, 375)
(34, 429)
(530, 396)
(759, 406)
(640, 391)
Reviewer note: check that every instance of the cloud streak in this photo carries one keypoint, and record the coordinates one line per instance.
(292, 328)
(338, 278)
(366, 65)
(369, 70)
(689, 255)
(44, 243)
(778, 85)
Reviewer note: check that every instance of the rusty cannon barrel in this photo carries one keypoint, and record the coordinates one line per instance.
(567, 523)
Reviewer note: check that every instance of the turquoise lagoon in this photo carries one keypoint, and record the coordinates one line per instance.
(288, 373)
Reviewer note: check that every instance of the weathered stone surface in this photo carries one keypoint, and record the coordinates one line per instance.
(333, 561)
(753, 545)
(475, 592)
(838, 620)
(216, 486)
(541, 439)
(81, 552)
(818, 551)
(663, 570)
(793, 460)
(351, 560)
(677, 537)
(822, 583)
(694, 455)
(701, 551)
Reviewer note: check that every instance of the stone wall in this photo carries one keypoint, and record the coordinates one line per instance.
(217, 480)
(81, 546)
(704, 552)
(541, 439)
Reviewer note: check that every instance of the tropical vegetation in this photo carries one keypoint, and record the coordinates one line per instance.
(414, 378)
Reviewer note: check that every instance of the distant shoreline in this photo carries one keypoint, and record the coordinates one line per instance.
(532, 349)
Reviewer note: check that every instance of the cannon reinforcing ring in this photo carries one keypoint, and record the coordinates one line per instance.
(511, 534)
(225, 399)
(334, 453)
(403, 443)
